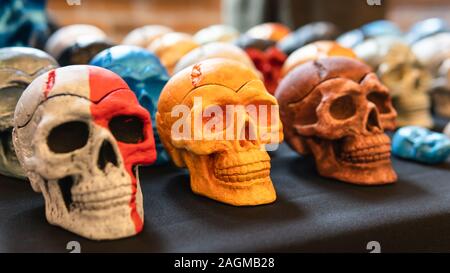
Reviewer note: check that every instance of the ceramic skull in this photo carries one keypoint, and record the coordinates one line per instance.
(433, 53)
(84, 156)
(171, 47)
(269, 31)
(144, 74)
(337, 109)
(306, 34)
(18, 67)
(267, 58)
(214, 50)
(235, 169)
(145, 35)
(432, 50)
(405, 77)
(216, 33)
(23, 23)
(314, 51)
(440, 90)
(373, 29)
(420, 144)
(426, 28)
(76, 44)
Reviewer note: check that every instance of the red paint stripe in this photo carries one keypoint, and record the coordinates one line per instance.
(101, 83)
(196, 75)
(50, 83)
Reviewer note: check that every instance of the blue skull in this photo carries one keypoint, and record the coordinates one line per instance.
(421, 144)
(145, 75)
(23, 23)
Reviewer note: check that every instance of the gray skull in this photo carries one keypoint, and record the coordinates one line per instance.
(18, 68)
(407, 79)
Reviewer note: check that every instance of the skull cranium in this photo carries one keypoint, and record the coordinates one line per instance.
(336, 109)
(80, 134)
(233, 170)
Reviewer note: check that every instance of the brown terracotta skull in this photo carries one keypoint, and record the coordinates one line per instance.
(337, 109)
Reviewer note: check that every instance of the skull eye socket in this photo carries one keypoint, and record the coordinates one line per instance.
(306, 113)
(127, 129)
(380, 100)
(68, 137)
(343, 108)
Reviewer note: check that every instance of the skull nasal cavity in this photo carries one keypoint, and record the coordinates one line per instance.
(247, 137)
(106, 155)
(373, 123)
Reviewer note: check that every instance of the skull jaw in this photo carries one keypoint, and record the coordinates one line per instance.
(368, 174)
(246, 193)
(109, 223)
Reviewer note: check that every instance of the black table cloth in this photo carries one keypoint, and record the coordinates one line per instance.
(311, 214)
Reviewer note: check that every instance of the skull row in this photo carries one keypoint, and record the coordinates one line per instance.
(83, 157)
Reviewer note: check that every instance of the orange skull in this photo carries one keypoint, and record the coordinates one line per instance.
(232, 170)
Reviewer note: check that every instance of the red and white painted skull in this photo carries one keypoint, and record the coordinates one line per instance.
(337, 109)
(80, 134)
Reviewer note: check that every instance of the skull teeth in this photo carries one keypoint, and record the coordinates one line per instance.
(99, 205)
(244, 173)
(366, 149)
(367, 155)
(366, 158)
(242, 166)
(103, 195)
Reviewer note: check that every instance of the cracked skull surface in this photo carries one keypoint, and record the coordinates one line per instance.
(337, 109)
(18, 67)
(235, 170)
(80, 135)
